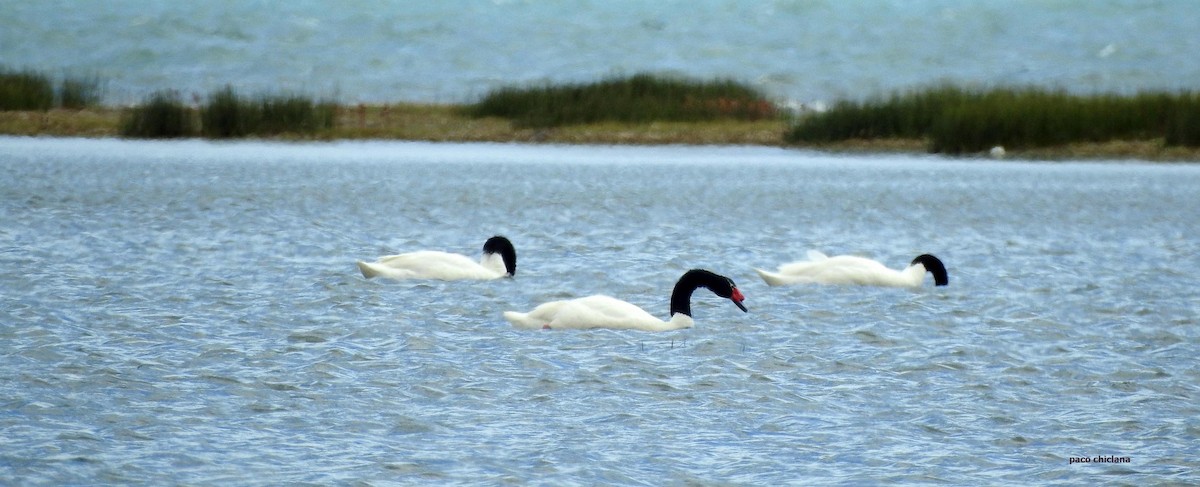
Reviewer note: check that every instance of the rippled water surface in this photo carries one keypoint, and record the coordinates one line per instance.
(190, 312)
(448, 51)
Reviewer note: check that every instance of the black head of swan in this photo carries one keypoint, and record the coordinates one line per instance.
(933, 265)
(502, 246)
(681, 296)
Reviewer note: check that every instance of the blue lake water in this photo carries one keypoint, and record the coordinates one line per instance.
(811, 52)
(189, 312)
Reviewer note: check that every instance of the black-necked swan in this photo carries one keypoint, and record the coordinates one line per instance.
(499, 260)
(849, 269)
(600, 311)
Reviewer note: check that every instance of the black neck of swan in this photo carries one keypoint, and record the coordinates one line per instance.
(501, 245)
(681, 297)
(935, 267)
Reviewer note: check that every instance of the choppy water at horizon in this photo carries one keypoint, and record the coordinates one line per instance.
(188, 312)
(453, 51)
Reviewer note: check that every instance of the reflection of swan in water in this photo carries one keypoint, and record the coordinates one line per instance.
(499, 260)
(601, 311)
(848, 269)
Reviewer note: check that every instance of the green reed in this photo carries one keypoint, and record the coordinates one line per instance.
(229, 115)
(1183, 126)
(33, 90)
(226, 115)
(956, 120)
(295, 114)
(76, 93)
(637, 98)
(161, 116)
(25, 90)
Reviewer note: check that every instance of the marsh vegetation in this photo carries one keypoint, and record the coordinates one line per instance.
(644, 109)
(162, 115)
(226, 114)
(30, 90)
(955, 120)
(639, 98)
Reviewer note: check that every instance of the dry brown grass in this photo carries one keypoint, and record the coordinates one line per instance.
(102, 122)
(1149, 150)
(445, 123)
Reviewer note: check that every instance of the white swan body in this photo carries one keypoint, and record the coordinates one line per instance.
(600, 311)
(597, 311)
(499, 260)
(849, 269)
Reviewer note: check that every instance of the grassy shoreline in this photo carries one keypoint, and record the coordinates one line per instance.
(448, 123)
(645, 109)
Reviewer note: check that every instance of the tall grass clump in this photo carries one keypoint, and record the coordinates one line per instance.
(25, 90)
(957, 121)
(295, 114)
(1036, 118)
(229, 115)
(225, 115)
(904, 115)
(1183, 127)
(31, 90)
(76, 93)
(637, 98)
(161, 116)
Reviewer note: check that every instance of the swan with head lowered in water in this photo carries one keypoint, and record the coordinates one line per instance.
(499, 260)
(849, 269)
(600, 311)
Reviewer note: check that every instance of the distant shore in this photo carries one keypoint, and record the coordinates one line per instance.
(445, 123)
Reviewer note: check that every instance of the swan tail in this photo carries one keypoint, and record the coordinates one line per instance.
(368, 271)
(771, 278)
(521, 320)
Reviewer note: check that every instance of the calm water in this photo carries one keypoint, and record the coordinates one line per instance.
(190, 313)
(454, 50)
